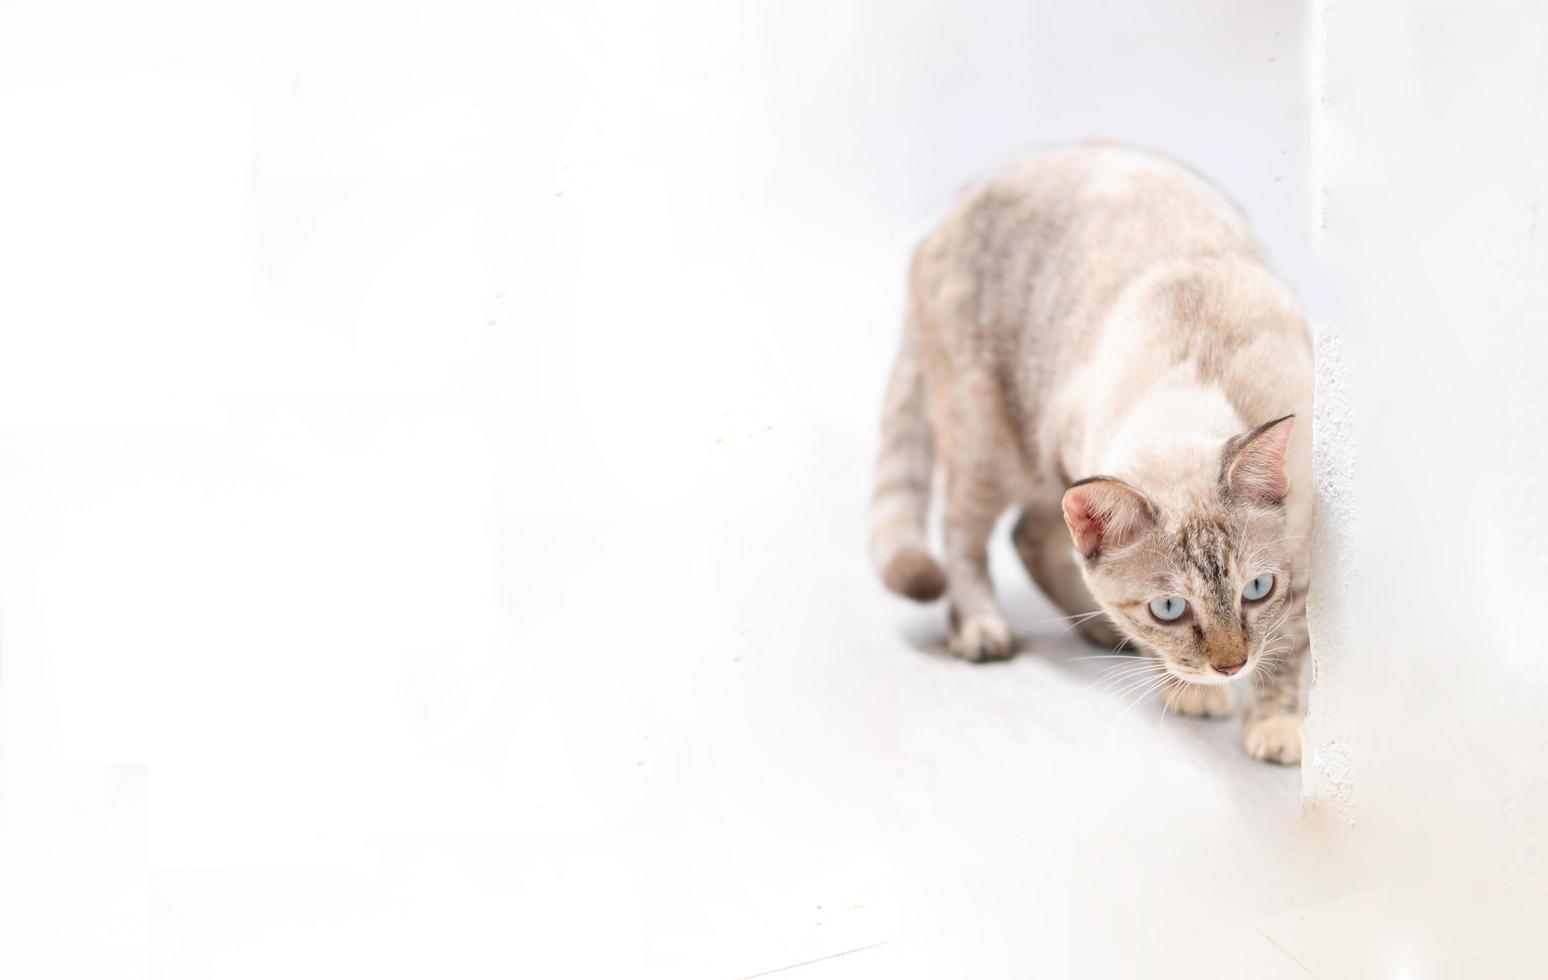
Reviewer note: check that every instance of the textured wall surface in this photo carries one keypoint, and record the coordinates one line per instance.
(1427, 737)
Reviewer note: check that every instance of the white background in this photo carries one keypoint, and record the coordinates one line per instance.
(435, 446)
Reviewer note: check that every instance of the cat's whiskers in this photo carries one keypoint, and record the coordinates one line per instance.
(1078, 618)
(1268, 660)
(1083, 619)
(1137, 691)
(1137, 699)
(1121, 678)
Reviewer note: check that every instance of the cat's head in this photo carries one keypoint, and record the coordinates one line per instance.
(1201, 578)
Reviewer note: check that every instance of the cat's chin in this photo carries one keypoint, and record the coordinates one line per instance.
(1207, 679)
(1201, 700)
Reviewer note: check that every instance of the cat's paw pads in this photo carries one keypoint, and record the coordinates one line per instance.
(1276, 738)
(980, 638)
(1202, 700)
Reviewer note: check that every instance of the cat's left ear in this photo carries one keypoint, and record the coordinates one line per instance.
(1252, 468)
(1105, 513)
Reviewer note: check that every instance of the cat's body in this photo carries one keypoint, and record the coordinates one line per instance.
(1102, 312)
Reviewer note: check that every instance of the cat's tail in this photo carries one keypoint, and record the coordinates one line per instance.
(901, 498)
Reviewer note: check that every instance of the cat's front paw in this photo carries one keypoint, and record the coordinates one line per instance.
(1201, 700)
(980, 638)
(1275, 738)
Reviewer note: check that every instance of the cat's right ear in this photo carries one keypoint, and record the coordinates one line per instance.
(1104, 513)
(1253, 465)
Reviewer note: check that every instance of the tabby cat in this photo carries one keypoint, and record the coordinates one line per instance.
(1093, 339)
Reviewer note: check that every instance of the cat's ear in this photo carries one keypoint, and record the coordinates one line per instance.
(1252, 467)
(1105, 513)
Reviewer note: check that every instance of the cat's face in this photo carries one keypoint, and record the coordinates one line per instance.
(1207, 586)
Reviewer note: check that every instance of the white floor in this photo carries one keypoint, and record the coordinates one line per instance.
(697, 744)
(696, 768)
(774, 763)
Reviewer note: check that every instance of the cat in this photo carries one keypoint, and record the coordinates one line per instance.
(1092, 338)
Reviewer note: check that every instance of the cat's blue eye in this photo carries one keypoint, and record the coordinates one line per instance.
(1168, 608)
(1258, 588)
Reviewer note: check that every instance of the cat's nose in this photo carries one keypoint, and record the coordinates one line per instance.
(1228, 669)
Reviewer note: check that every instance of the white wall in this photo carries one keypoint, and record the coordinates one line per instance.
(1428, 732)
